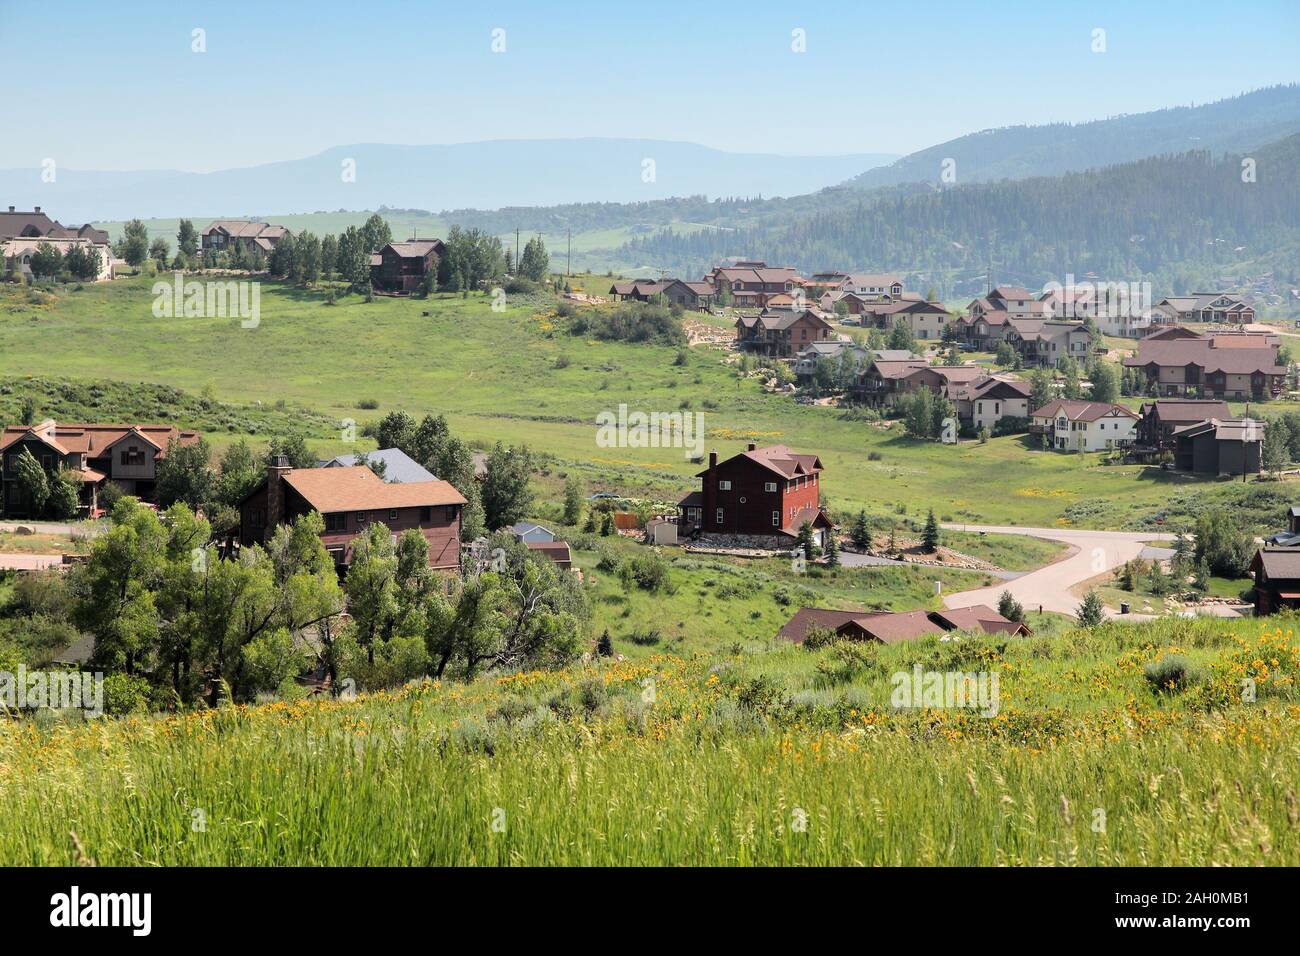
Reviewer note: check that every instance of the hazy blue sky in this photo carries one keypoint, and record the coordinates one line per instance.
(116, 86)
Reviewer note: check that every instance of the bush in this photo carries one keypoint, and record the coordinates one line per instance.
(1169, 674)
(125, 694)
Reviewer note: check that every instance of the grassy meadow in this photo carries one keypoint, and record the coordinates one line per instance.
(519, 376)
(786, 757)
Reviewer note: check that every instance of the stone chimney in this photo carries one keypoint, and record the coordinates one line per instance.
(275, 471)
(751, 446)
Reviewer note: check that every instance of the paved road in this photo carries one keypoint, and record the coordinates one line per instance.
(1091, 553)
(52, 527)
(29, 562)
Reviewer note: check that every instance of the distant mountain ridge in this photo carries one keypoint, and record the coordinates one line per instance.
(1232, 125)
(483, 175)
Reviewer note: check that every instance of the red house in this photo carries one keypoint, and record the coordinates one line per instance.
(760, 498)
(350, 499)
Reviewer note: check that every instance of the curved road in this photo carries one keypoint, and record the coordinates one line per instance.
(1091, 553)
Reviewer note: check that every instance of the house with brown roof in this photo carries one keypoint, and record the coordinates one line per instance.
(350, 499)
(17, 224)
(752, 283)
(925, 320)
(988, 400)
(1013, 300)
(1277, 579)
(1220, 447)
(1048, 342)
(1160, 418)
(782, 333)
(883, 380)
(1223, 366)
(400, 268)
(93, 454)
(984, 329)
(253, 238)
(759, 498)
(676, 292)
(876, 285)
(892, 627)
(1078, 425)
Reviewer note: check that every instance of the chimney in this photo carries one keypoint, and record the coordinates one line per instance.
(275, 471)
(751, 446)
(11, 208)
(37, 208)
(713, 459)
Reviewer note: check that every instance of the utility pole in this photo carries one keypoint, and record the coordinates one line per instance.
(568, 262)
(516, 250)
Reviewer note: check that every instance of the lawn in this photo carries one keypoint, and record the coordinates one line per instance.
(496, 377)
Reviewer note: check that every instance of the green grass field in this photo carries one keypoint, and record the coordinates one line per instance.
(787, 757)
(495, 376)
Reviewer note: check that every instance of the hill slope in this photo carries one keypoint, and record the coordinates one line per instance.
(1176, 220)
(1017, 152)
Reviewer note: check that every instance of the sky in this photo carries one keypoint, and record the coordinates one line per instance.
(120, 86)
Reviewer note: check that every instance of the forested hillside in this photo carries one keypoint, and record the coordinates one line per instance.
(1017, 152)
(1179, 221)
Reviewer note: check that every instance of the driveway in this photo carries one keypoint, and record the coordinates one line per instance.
(851, 559)
(29, 562)
(1091, 553)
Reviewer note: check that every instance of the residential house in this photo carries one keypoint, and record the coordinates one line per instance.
(557, 551)
(750, 283)
(883, 380)
(254, 238)
(400, 268)
(1077, 425)
(529, 533)
(127, 455)
(1215, 307)
(396, 465)
(892, 627)
(984, 329)
(925, 320)
(1159, 419)
(1047, 342)
(878, 286)
(18, 253)
(1016, 302)
(986, 401)
(1108, 305)
(351, 498)
(759, 498)
(17, 224)
(1234, 366)
(848, 351)
(781, 333)
(1220, 447)
(1277, 579)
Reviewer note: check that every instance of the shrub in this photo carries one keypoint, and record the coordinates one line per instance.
(1168, 674)
(125, 694)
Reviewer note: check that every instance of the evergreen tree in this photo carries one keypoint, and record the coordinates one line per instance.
(572, 500)
(1010, 608)
(832, 549)
(860, 533)
(930, 539)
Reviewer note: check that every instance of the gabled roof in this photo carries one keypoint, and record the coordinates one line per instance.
(414, 248)
(778, 459)
(978, 617)
(1213, 354)
(1078, 410)
(1186, 410)
(398, 465)
(875, 278)
(357, 488)
(1280, 563)
(894, 369)
(1241, 430)
(94, 440)
(890, 627)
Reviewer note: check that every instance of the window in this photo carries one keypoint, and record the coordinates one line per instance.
(392, 515)
(257, 518)
(426, 514)
(769, 486)
(336, 522)
(776, 519)
(724, 486)
(132, 456)
(451, 512)
(719, 516)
